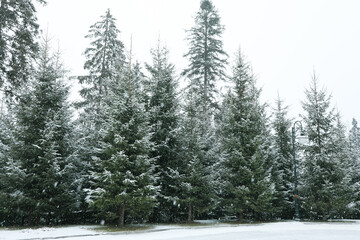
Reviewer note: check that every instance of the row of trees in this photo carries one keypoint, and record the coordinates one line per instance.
(141, 150)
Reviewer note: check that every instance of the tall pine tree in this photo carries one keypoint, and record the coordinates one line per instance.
(206, 55)
(105, 60)
(324, 174)
(125, 185)
(18, 46)
(164, 120)
(282, 169)
(245, 145)
(194, 173)
(354, 170)
(43, 145)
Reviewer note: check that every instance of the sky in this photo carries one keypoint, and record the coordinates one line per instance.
(285, 41)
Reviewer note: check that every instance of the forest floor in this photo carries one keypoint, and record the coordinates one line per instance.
(344, 230)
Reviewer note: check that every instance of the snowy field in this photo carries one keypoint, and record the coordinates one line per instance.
(268, 231)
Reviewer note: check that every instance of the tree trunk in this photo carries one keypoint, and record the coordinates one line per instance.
(30, 218)
(190, 213)
(37, 219)
(324, 217)
(240, 217)
(122, 217)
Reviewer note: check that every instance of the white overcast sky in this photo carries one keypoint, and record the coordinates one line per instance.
(284, 40)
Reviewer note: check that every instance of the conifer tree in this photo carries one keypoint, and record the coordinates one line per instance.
(354, 169)
(164, 119)
(206, 55)
(245, 142)
(282, 169)
(125, 186)
(43, 145)
(105, 60)
(323, 174)
(10, 173)
(18, 45)
(193, 173)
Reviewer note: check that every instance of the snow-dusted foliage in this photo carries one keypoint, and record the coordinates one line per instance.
(18, 45)
(354, 169)
(245, 147)
(42, 146)
(104, 58)
(325, 191)
(282, 168)
(207, 59)
(164, 109)
(141, 150)
(104, 61)
(126, 181)
(195, 177)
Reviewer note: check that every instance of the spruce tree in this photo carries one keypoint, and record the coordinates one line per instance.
(18, 43)
(354, 169)
(323, 173)
(282, 169)
(207, 59)
(125, 185)
(164, 120)
(193, 174)
(10, 173)
(343, 193)
(105, 59)
(245, 145)
(43, 145)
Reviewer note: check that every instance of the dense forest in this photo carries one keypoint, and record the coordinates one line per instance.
(142, 149)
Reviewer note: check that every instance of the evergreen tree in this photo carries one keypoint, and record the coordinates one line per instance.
(43, 145)
(18, 46)
(354, 169)
(323, 175)
(206, 55)
(344, 192)
(282, 169)
(104, 62)
(10, 173)
(193, 174)
(164, 119)
(245, 145)
(126, 182)
(104, 59)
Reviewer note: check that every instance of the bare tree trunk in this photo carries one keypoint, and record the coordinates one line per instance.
(37, 219)
(190, 213)
(122, 217)
(240, 217)
(30, 218)
(324, 218)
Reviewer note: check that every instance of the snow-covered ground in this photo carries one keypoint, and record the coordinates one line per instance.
(269, 231)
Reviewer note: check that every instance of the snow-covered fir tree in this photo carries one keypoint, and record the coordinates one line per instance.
(207, 59)
(43, 145)
(164, 120)
(10, 173)
(247, 189)
(324, 174)
(18, 45)
(282, 169)
(125, 188)
(354, 168)
(194, 173)
(344, 195)
(105, 59)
